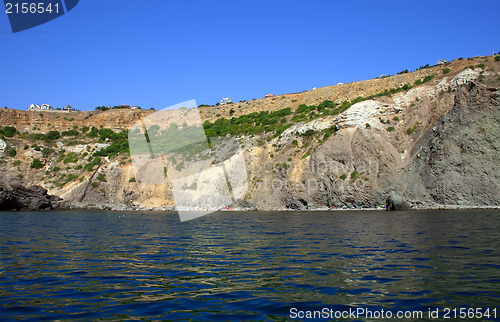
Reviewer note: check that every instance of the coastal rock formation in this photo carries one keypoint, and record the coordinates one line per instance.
(19, 197)
(395, 203)
(436, 143)
(456, 161)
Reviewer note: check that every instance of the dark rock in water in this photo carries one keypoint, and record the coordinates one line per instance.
(395, 202)
(7, 200)
(19, 197)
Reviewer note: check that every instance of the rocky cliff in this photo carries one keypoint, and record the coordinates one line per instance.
(432, 135)
(18, 197)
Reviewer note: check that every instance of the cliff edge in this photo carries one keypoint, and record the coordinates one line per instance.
(432, 136)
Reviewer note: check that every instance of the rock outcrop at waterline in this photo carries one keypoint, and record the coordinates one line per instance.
(19, 197)
(394, 202)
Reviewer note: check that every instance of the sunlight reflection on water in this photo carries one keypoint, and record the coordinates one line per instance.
(244, 266)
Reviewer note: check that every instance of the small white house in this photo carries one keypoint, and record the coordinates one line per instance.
(37, 107)
(226, 100)
(441, 62)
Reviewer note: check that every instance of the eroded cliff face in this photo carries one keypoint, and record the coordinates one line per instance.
(456, 161)
(436, 144)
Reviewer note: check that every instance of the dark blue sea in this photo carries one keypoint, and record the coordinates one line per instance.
(249, 266)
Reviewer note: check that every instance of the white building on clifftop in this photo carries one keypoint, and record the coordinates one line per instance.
(36, 107)
(226, 100)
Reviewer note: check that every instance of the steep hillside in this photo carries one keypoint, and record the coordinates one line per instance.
(44, 121)
(430, 135)
(336, 93)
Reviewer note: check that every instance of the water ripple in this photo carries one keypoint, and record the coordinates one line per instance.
(240, 267)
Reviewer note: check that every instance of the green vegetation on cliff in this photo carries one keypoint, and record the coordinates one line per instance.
(36, 164)
(60, 155)
(277, 122)
(8, 131)
(119, 142)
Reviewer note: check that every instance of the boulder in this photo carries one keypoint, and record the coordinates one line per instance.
(396, 202)
(19, 197)
(7, 200)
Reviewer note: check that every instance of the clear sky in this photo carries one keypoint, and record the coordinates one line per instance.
(156, 53)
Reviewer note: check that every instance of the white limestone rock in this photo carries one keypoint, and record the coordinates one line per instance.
(463, 78)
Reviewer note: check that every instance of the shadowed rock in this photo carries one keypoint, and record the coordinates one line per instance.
(27, 198)
(395, 202)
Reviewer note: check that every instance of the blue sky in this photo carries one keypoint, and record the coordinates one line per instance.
(156, 53)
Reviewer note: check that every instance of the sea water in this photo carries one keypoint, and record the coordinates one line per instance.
(234, 266)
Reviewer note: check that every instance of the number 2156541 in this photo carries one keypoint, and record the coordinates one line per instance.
(469, 313)
(33, 8)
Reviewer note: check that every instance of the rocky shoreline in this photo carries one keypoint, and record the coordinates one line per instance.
(19, 197)
(435, 143)
(15, 196)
